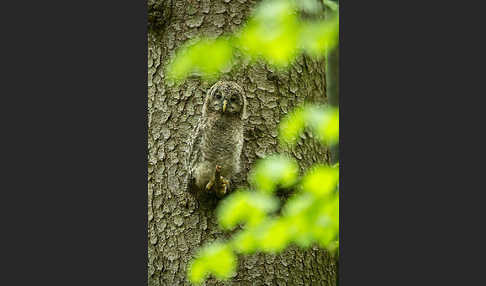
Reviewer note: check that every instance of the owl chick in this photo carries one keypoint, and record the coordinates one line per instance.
(214, 155)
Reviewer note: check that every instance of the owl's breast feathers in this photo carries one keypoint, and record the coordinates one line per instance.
(222, 142)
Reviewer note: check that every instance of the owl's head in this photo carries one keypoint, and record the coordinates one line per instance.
(226, 98)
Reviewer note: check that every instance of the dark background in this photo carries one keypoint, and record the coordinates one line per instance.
(74, 150)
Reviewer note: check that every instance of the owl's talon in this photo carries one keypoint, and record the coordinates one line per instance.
(222, 190)
(224, 181)
(209, 185)
(223, 186)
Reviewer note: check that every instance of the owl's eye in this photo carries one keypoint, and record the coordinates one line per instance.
(218, 95)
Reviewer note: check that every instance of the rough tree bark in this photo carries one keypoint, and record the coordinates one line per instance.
(177, 224)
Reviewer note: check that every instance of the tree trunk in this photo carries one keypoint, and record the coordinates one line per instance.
(177, 224)
(332, 72)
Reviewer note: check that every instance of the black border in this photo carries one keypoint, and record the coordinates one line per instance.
(74, 138)
(74, 107)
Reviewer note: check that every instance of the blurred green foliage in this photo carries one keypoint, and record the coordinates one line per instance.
(217, 258)
(324, 122)
(310, 215)
(277, 34)
(205, 57)
(274, 171)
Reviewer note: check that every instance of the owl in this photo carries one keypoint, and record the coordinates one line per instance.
(214, 152)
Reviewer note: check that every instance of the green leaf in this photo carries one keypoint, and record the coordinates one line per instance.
(206, 57)
(273, 236)
(245, 207)
(308, 6)
(292, 125)
(300, 211)
(217, 259)
(332, 5)
(273, 171)
(318, 38)
(321, 180)
(326, 228)
(245, 242)
(333, 247)
(329, 130)
(324, 122)
(272, 33)
(298, 204)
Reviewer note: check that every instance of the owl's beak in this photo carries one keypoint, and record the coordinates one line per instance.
(225, 102)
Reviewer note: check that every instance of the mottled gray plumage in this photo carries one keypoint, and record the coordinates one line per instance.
(218, 138)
